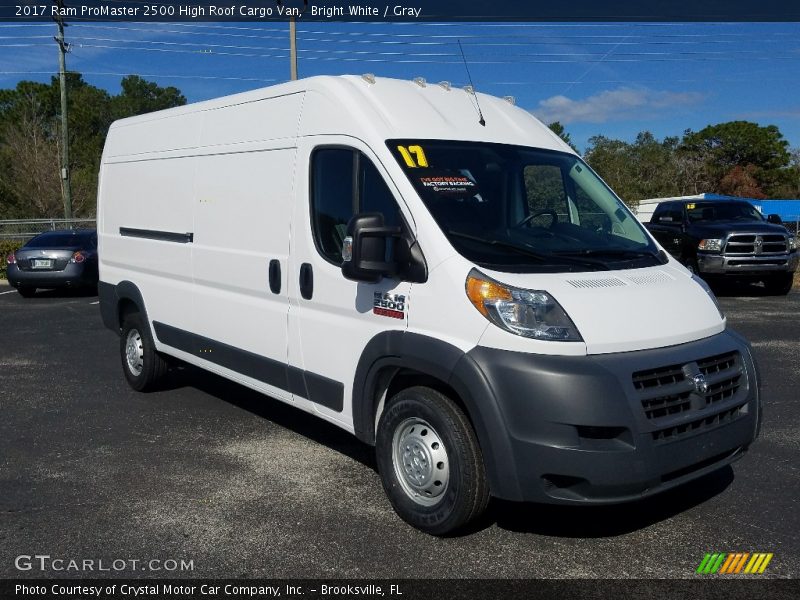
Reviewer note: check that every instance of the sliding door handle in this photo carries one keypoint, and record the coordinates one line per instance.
(275, 276)
(306, 281)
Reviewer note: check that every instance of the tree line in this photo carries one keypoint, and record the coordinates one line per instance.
(30, 140)
(737, 158)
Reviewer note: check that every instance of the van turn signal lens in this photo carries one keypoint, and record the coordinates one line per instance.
(482, 292)
(529, 313)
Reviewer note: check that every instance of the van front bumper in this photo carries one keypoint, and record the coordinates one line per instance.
(617, 427)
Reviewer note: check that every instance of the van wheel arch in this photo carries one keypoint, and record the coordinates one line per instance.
(392, 360)
(391, 380)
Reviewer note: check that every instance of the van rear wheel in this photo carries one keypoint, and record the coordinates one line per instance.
(144, 368)
(430, 462)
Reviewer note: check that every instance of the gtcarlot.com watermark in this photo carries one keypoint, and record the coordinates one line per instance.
(45, 562)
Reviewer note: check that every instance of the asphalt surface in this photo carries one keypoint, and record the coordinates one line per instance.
(244, 486)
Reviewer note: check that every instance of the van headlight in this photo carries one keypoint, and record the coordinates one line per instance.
(529, 313)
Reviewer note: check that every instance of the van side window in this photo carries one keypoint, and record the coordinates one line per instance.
(344, 182)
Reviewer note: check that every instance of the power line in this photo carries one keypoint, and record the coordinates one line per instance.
(527, 58)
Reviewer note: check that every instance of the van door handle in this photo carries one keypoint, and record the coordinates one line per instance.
(275, 276)
(306, 281)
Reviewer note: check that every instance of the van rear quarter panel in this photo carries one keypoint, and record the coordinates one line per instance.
(223, 171)
(151, 195)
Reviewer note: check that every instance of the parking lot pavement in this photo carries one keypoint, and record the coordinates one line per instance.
(244, 486)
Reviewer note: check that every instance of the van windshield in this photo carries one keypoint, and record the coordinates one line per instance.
(519, 209)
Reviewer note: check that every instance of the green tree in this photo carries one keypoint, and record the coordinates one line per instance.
(30, 138)
(141, 96)
(557, 128)
(745, 155)
(612, 161)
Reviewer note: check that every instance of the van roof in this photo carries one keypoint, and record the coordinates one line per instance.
(377, 108)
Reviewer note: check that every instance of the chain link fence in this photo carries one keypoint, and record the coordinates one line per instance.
(792, 223)
(24, 229)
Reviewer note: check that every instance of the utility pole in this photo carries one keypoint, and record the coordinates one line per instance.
(293, 38)
(63, 48)
(293, 46)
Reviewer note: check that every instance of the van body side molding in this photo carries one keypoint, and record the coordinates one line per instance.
(154, 234)
(316, 388)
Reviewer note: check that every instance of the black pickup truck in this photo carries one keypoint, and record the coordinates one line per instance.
(727, 240)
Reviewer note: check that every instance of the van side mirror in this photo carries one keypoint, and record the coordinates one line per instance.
(364, 248)
(774, 218)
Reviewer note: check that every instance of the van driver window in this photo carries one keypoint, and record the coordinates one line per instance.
(344, 182)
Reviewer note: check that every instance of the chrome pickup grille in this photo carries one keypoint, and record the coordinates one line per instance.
(755, 244)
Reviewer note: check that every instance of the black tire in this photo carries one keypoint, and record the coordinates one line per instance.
(144, 368)
(419, 418)
(779, 285)
(26, 291)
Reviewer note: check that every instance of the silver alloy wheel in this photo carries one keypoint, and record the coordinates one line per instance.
(134, 353)
(420, 461)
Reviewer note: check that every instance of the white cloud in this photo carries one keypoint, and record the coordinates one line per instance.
(613, 105)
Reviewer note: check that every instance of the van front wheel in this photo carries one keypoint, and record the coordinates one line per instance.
(430, 462)
(144, 368)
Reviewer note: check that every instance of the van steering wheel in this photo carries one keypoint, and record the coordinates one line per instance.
(538, 213)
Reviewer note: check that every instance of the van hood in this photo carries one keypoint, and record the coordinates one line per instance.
(628, 310)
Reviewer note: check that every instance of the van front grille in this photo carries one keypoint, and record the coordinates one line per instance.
(710, 422)
(674, 390)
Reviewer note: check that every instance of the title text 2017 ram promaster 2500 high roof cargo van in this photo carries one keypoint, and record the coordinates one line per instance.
(469, 298)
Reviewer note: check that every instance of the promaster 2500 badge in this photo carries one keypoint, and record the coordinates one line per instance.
(389, 305)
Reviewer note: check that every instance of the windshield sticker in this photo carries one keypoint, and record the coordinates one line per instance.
(411, 153)
(450, 183)
(690, 206)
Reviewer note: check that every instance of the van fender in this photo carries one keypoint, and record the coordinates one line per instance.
(111, 295)
(452, 366)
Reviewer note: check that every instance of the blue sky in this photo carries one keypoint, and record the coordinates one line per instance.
(610, 79)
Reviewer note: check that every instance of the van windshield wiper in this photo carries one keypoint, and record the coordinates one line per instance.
(613, 252)
(541, 256)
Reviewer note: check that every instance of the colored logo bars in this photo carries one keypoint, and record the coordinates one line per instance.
(734, 563)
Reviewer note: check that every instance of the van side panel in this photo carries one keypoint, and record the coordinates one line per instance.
(267, 119)
(241, 224)
(160, 134)
(242, 198)
(145, 203)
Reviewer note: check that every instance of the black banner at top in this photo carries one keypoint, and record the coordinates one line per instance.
(401, 10)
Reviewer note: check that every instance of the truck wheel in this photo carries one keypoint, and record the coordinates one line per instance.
(430, 462)
(144, 368)
(779, 285)
(26, 291)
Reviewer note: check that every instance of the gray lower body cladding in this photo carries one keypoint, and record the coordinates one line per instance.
(617, 427)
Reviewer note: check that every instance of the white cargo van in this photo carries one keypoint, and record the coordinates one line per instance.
(470, 298)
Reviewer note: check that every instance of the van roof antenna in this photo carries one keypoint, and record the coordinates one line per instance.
(481, 120)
